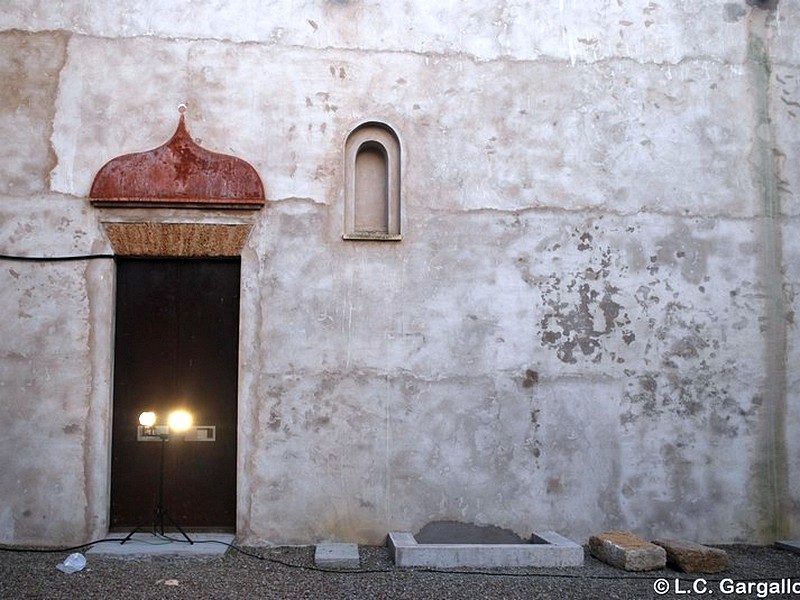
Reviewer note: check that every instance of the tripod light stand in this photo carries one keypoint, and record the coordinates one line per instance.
(179, 421)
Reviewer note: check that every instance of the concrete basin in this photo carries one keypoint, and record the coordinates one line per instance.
(545, 549)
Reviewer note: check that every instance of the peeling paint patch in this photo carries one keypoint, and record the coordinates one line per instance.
(531, 379)
(699, 396)
(582, 312)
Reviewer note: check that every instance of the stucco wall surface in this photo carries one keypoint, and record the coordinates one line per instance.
(561, 29)
(54, 373)
(589, 322)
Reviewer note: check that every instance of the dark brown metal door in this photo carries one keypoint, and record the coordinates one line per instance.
(176, 347)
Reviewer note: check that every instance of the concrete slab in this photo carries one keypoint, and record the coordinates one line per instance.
(337, 555)
(547, 549)
(790, 545)
(146, 544)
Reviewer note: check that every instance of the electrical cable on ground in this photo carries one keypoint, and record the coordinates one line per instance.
(56, 550)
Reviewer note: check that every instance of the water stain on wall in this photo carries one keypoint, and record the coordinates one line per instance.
(29, 66)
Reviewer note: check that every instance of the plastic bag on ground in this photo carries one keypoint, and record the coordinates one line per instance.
(74, 562)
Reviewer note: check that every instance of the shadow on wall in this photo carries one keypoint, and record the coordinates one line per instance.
(764, 4)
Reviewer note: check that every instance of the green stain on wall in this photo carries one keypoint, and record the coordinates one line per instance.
(771, 467)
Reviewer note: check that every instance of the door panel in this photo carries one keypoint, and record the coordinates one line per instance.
(177, 326)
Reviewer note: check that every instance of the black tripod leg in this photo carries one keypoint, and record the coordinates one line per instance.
(178, 527)
(159, 512)
(130, 535)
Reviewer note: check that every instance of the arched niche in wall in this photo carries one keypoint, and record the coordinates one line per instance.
(372, 183)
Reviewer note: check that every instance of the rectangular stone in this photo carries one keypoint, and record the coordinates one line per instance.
(691, 557)
(625, 550)
(337, 555)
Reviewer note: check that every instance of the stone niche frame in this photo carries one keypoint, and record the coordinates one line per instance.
(372, 202)
(153, 188)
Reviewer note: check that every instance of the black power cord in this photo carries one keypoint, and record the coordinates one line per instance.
(57, 550)
(75, 257)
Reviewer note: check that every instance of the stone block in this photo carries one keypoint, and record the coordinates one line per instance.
(691, 557)
(625, 550)
(344, 556)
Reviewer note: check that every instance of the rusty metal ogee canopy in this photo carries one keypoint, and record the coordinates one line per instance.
(180, 172)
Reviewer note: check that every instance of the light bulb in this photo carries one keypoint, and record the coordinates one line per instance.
(179, 420)
(147, 419)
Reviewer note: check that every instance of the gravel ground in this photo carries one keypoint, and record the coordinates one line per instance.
(290, 573)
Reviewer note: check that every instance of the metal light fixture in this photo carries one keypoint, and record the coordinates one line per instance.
(178, 421)
(149, 429)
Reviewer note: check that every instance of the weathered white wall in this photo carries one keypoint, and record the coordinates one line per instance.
(587, 325)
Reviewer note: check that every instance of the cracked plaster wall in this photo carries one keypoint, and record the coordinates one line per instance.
(588, 325)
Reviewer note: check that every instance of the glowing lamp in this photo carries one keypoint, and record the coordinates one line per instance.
(179, 420)
(147, 419)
